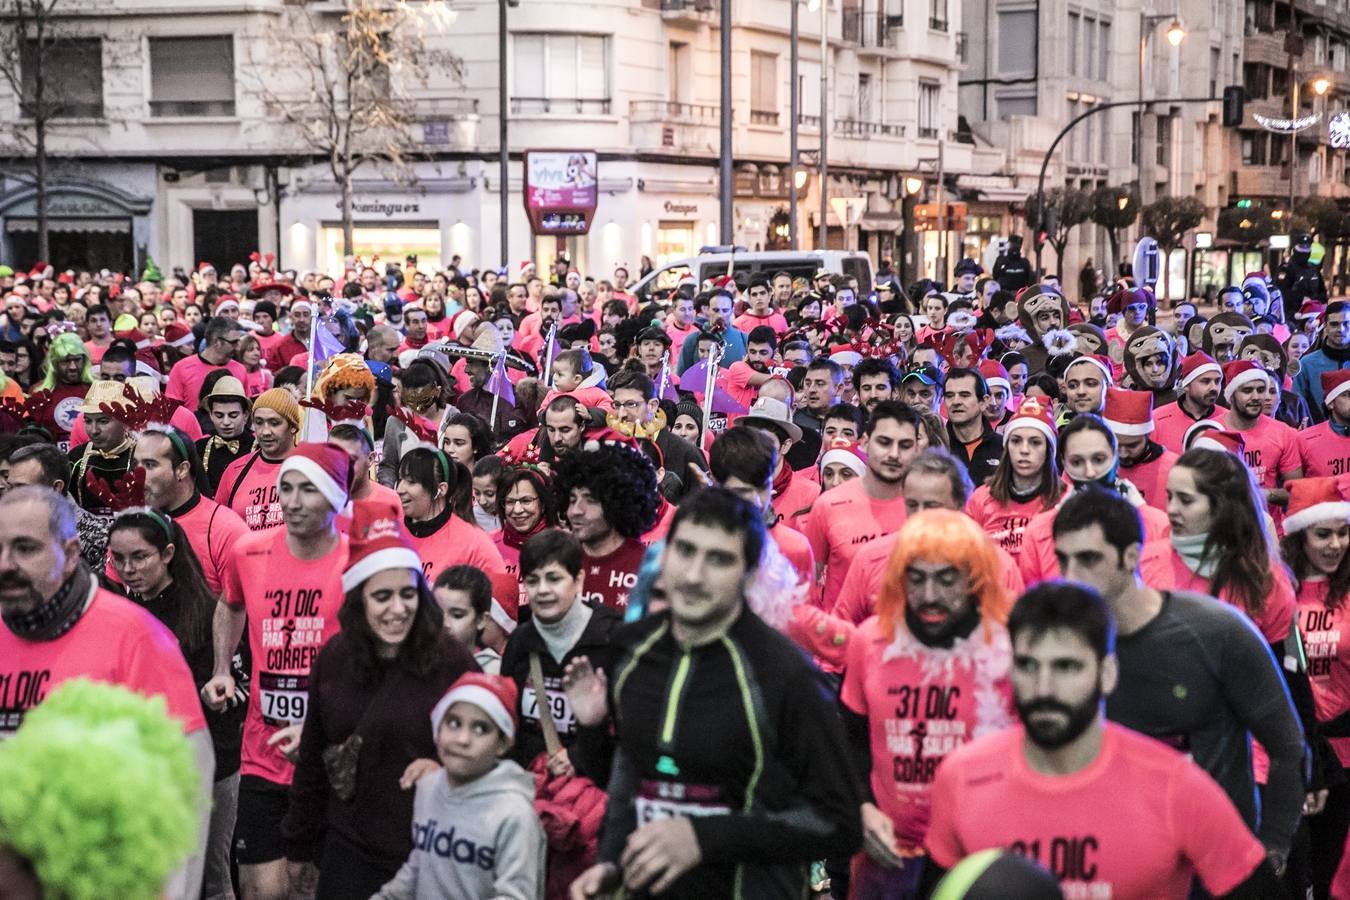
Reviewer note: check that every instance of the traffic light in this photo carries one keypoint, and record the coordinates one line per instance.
(1243, 204)
(1041, 237)
(1233, 98)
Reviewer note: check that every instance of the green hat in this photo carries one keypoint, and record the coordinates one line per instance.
(152, 272)
(6, 271)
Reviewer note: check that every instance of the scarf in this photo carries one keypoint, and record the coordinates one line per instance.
(562, 635)
(782, 480)
(427, 527)
(1191, 549)
(56, 615)
(516, 539)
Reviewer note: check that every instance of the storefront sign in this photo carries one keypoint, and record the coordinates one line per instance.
(561, 190)
(680, 209)
(386, 208)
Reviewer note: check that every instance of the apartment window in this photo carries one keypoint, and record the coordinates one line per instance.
(192, 76)
(680, 73)
(1214, 71)
(763, 88)
(937, 15)
(1017, 42)
(929, 91)
(1135, 137)
(1089, 46)
(1164, 155)
(1016, 106)
(72, 76)
(1103, 61)
(1255, 149)
(561, 73)
(865, 113)
(1075, 22)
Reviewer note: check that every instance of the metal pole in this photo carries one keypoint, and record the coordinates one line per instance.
(1293, 135)
(942, 215)
(1139, 117)
(504, 162)
(726, 225)
(824, 121)
(795, 104)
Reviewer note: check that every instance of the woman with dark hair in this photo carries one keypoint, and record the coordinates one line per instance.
(427, 487)
(366, 741)
(1026, 481)
(465, 438)
(152, 557)
(425, 390)
(473, 299)
(1221, 542)
(1016, 365)
(525, 505)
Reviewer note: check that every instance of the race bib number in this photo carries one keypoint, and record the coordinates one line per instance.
(284, 699)
(669, 800)
(563, 719)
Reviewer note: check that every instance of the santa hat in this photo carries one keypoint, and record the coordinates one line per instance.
(842, 450)
(226, 302)
(327, 466)
(1128, 412)
(1239, 372)
(845, 355)
(1197, 364)
(995, 375)
(1310, 309)
(1220, 440)
(302, 303)
(377, 544)
(1313, 500)
(1034, 414)
(178, 335)
(204, 267)
(494, 695)
(1334, 383)
(1101, 362)
(505, 608)
(461, 322)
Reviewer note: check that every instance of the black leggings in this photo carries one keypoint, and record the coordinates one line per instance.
(1328, 830)
(347, 872)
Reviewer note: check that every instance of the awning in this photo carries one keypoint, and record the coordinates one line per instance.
(881, 221)
(79, 226)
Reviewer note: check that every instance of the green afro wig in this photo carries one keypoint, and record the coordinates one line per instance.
(99, 793)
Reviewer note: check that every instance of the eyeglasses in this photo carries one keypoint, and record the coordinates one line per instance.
(520, 501)
(631, 405)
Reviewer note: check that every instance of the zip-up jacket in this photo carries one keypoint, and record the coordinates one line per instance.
(742, 736)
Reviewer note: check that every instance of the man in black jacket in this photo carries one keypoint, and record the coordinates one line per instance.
(637, 412)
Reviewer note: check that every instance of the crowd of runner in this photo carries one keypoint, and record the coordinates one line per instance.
(505, 584)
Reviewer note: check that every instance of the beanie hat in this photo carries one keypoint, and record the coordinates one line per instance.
(280, 401)
(328, 468)
(1334, 383)
(1313, 500)
(266, 308)
(1239, 372)
(1036, 415)
(493, 694)
(1128, 412)
(377, 544)
(850, 453)
(1218, 439)
(1197, 364)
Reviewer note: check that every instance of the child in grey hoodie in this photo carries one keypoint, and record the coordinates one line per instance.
(475, 832)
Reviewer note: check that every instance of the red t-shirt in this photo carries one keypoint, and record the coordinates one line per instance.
(60, 416)
(1162, 568)
(1004, 522)
(249, 487)
(290, 617)
(1151, 478)
(456, 543)
(1138, 823)
(921, 704)
(1271, 450)
(187, 375)
(841, 522)
(282, 351)
(115, 641)
(1323, 451)
(610, 578)
(1328, 663)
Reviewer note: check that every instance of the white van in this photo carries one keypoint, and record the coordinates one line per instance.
(713, 262)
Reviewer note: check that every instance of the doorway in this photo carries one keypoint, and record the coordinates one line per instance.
(223, 237)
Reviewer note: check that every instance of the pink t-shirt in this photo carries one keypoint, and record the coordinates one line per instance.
(1328, 663)
(1271, 450)
(187, 375)
(212, 531)
(842, 521)
(115, 641)
(593, 397)
(1004, 522)
(1323, 451)
(1162, 568)
(738, 385)
(1038, 562)
(1138, 823)
(800, 493)
(249, 487)
(748, 320)
(456, 543)
(921, 704)
(1151, 478)
(796, 548)
(1170, 423)
(858, 599)
(289, 619)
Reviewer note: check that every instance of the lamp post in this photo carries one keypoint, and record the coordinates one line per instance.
(824, 122)
(796, 104)
(504, 152)
(1320, 85)
(727, 225)
(1176, 33)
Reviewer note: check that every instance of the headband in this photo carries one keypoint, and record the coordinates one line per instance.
(164, 522)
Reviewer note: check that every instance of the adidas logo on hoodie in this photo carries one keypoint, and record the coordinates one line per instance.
(445, 845)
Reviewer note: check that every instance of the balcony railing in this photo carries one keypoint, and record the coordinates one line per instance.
(688, 6)
(763, 117)
(670, 111)
(861, 128)
(188, 108)
(805, 121)
(581, 106)
(936, 24)
(927, 132)
(869, 28)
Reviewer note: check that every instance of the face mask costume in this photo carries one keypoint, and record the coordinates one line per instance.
(1151, 362)
(1223, 334)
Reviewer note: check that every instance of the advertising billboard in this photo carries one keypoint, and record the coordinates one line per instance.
(561, 190)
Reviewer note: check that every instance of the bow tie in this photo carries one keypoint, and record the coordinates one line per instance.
(232, 446)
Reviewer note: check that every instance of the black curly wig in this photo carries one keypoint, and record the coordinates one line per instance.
(622, 479)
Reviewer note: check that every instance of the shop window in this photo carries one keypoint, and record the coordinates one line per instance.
(72, 76)
(565, 74)
(192, 76)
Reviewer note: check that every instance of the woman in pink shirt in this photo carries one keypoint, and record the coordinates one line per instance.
(257, 378)
(1221, 542)
(1026, 481)
(525, 505)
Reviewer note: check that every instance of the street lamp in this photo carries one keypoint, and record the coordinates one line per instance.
(796, 177)
(1320, 85)
(913, 185)
(1176, 33)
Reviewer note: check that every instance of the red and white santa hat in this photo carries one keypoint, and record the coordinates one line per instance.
(1239, 372)
(1218, 439)
(1313, 500)
(1310, 309)
(1334, 383)
(493, 694)
(302, 303)
(1034, 414)
(178, 335)
(1101, 362)
(378, 543)
(1128, 412)
(995, 375)
(327, 466)
(505, 608)
(842, 450)
(462, 321)
(845, 355)
(204, 267)
(227, 301)
(1197, 364)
